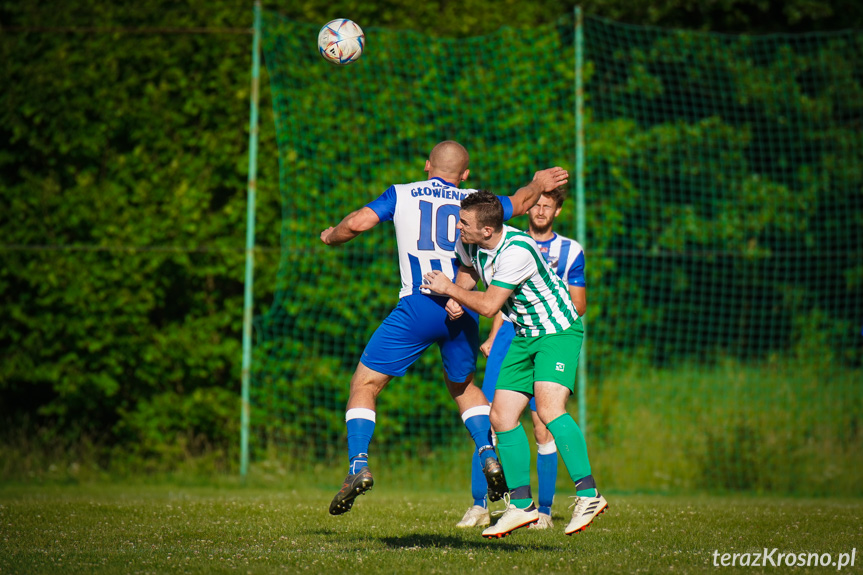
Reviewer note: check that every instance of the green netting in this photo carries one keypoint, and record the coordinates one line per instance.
(724, 192)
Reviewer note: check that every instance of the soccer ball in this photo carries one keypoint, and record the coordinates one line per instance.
(341, 41)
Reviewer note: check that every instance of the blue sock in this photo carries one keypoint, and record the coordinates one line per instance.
(546, 470)
(478, 425)
(478, 484)
(361, 427)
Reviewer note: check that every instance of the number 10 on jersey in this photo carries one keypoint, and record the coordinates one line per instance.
(435, 226)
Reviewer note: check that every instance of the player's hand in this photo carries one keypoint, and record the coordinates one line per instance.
(437, 282)
(325, 235)
(551, 178)
(485, 348)
(453, 309)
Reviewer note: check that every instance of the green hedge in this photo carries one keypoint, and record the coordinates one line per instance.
(123, 179)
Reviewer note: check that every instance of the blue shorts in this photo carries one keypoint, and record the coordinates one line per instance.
(501, 344)
(417, 322)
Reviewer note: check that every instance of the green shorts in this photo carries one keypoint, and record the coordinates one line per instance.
(552, 357)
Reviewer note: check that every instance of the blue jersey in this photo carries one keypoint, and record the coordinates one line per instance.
(566, 258)
(425, 215)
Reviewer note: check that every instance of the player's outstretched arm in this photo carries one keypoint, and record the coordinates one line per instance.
(351, 226)
(543, 181)
(486, 302)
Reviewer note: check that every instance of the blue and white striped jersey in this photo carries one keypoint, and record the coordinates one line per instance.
(425, 215)
(566, 258)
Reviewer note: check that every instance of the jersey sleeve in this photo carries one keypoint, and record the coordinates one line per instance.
(506, 202)
(515, 265)
(575, 273)
(385, 205)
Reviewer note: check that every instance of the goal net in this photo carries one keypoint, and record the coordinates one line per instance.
(724, 251)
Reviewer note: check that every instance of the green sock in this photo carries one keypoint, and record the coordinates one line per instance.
(572, 448)
(514, 453)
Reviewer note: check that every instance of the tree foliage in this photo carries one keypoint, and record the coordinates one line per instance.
(123, 173)
(123, 178)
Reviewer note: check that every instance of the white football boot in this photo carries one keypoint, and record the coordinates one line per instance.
(476, 516)
(544, 522)
(585, 510)
(512, 519)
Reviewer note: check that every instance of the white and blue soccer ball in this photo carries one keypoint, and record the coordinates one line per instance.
(341, 41)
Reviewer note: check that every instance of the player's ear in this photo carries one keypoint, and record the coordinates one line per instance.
(557, 211)
(464, 175)
(428, 166)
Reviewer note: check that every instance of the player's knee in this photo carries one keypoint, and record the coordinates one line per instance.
(501, 420)
(542, 434)
(495, 417)
(366, 380)
(458, 388)
(547, 414)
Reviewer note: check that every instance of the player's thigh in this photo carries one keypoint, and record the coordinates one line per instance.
(405, 333)
(516, 372)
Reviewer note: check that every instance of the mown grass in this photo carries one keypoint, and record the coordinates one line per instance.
(783, 424)
(129, 528)
(777, 427)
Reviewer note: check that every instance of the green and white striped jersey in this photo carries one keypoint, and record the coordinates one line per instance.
(540, 302)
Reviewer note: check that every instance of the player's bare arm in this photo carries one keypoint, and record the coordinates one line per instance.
(465, 277)
(578, 295)
(496, 323)
(486, 303)
(543, 181)
(350, 227)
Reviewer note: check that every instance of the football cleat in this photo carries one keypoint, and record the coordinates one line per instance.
(355, 485)
(476, 516)
(586, 510)
(493, 472)
(544, 522)
(512, 519)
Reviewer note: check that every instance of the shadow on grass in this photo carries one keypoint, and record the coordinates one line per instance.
(436, 540)
(433, 541)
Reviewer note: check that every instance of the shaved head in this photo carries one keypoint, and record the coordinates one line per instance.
(449, 157)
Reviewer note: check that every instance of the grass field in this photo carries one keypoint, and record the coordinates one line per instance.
(126, 528)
